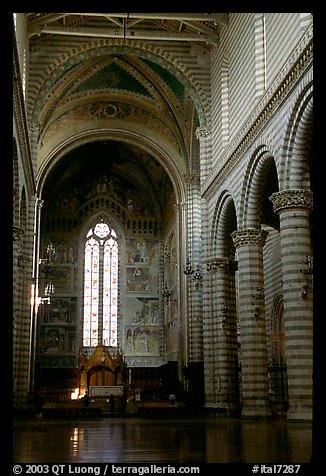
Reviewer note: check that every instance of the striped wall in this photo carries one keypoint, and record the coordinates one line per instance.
(282, 34)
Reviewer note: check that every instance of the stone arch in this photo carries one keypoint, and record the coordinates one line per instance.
(157, 151)
(225, 221)
(254, 199)
(296, 157)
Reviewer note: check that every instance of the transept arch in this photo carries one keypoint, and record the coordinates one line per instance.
(157, 151)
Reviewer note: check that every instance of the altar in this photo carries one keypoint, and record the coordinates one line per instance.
(102, 373)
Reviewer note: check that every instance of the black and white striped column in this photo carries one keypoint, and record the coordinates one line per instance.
(223, 382)
(294, 207)
(251, 307)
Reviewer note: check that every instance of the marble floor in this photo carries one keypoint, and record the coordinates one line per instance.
(209, 439)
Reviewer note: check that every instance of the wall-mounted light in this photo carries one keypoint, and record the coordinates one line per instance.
(188, 269)
(307, 272)
(166, 292)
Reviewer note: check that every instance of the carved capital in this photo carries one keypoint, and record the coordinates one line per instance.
(24, 262)
(249, 237)
(18, 232)
(203, 133)
(291, 200)
(192, 178)
(39, 202)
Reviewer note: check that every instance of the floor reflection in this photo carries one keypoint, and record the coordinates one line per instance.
(136, 440)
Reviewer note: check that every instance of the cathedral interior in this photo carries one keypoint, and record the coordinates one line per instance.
(162, 211)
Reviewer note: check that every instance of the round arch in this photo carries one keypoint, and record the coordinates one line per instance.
(261, 164)
(295, 169)
(224, 222)
(156, 150)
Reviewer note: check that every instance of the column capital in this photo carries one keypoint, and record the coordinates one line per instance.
(291, 200)
(249, 237)
(39, 202)
(203, 133)
(180, 206)
(18, 232)
(24, 262)
(192, 178)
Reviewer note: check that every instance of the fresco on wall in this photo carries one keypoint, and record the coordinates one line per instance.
(142, 326)
(142, 340)
(57, 326)
(71, 198)
(60, 278)
(65, 251)
(57, 340)
(142, 266)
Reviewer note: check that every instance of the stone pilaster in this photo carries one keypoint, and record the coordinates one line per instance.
(251, 307)
(294, 207)
(204, 136)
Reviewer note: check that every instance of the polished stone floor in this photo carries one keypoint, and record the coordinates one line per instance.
(209, 439)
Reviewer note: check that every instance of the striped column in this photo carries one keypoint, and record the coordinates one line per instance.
(224, 376)
(252, 321)
(195, 284)
(181, 226)
(210, 333)
(294, 207)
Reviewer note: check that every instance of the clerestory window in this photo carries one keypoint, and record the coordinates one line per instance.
(100, 287)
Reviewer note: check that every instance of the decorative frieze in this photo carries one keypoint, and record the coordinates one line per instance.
(291, 200)
(249, 237)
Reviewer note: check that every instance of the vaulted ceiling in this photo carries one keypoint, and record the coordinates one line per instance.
(144, 73)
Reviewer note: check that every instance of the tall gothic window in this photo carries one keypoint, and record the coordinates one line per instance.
(100, 287)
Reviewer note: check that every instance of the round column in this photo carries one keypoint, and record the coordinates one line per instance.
(222, 370)
(251, 307)
(294, 207)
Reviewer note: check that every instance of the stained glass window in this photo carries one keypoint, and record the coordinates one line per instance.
(100, 324)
